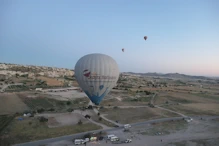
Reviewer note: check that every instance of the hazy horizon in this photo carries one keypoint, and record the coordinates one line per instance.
(182, 35)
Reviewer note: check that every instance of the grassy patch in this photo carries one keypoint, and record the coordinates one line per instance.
(23, 131)
(215, 97)
(166, 127)
(5, 120)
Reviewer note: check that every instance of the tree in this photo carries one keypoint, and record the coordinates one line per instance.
(68, 102)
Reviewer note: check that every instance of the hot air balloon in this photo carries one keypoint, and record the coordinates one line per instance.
(123, 49)
(145, 38)
(96, 74)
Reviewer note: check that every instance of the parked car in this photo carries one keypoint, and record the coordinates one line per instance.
(79, 141)
(128, 140)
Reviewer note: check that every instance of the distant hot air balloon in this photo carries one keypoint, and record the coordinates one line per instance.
(145, 38)
(96, 74)
(123, 49)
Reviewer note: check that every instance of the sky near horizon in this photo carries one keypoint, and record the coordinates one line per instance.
(183, 35)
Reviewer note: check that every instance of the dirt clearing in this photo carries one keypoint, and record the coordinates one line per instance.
(195, 109)
(131, 115)
(11, 103)
(64, 119)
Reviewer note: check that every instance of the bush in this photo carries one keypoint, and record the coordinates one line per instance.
(51, 109)
(100, 118)
(68, 102)
(98, 114)
(90, 107)
(87, 116)
(40, 110)
(115, 107)
(88, 135)
(43, 119)
(70, 110)
(80, 122)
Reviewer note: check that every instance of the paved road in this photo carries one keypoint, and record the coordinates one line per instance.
(73, 136)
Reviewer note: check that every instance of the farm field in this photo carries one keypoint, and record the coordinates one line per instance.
(51, 81)
(11, 103)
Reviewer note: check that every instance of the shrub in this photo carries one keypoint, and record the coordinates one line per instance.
(88, 135)
(90, 107)
(40, 110)
(68, 102)
(70, 110)
(80, 122)
(115, 107)
(43, 119)
(51, 109)
(87, 116)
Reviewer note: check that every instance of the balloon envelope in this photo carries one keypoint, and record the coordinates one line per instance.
(96, 74)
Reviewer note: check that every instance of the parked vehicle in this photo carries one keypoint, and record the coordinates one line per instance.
(128, 140)
(109, 136)
(79, 141)
(114, 138)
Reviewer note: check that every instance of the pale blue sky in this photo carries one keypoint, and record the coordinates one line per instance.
(183, 35)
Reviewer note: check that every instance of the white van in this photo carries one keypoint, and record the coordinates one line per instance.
(109, 136)
(127, 126)
(79, 141)
(114, 138)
